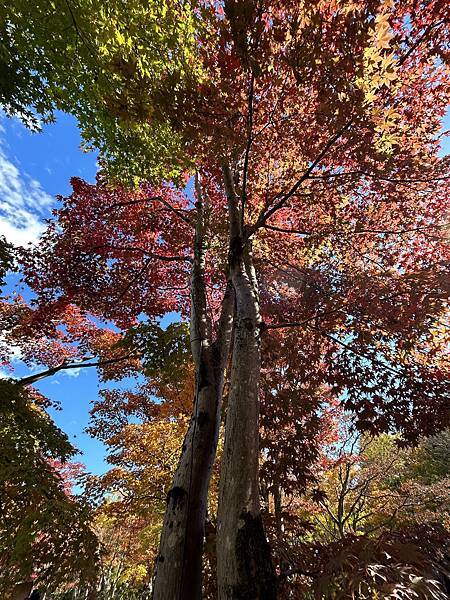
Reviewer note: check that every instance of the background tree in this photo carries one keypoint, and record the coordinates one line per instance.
(45, 535)
(373, 485)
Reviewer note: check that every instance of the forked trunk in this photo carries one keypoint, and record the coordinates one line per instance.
(178, 570)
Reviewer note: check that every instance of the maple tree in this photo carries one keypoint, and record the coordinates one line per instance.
(369, 501)
(144, 291)
(320, 203)
(370, 484)
(143, 431)
(105, 64)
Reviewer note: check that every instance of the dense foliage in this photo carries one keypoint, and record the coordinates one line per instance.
(46, 534)
(272, 179)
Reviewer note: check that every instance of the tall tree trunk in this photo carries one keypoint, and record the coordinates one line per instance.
(244, 566)
(178, 570)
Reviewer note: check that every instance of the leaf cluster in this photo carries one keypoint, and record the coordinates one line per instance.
(165, 352)
(105, 63)
(44, 532)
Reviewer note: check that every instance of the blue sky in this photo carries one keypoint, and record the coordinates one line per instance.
(34, 168)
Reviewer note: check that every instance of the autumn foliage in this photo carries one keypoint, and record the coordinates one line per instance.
(279, 196)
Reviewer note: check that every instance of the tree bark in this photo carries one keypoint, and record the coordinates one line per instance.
(22, 590)
(178, 570)
(244, 566)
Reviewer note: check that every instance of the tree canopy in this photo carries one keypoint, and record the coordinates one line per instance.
(271, 173)
(107, 64)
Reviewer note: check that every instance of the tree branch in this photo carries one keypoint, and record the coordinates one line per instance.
(263, 217)
(379, 177)
(163, 257)
(356, 231)
(177, 211)
(356, 352)
(30, 379)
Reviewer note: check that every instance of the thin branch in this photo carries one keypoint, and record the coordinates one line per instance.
(178, 212)
(285, 230)
(263, 217)
(357, 353)
(379, 177)
(134, 280)
(397, 231)
(419, 41)
(130, 203)
(80, 34)
(270, 120)
(30, 379)
(356, 231)
(175, 210)
(330, 513)
(163, 257)
(286, 325)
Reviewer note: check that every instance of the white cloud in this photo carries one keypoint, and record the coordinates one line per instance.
(72, 372)
(23, 203)
(14, 351)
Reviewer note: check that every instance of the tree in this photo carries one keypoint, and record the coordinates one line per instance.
(307, 148)
(370, 484)
(368, 501)
(45, 534)
(89, 224)
(109, 66)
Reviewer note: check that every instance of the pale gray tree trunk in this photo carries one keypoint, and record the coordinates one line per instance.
(178, 571)
(244, 567)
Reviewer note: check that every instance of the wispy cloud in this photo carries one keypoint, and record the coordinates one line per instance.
(72, 372)
(23, 203)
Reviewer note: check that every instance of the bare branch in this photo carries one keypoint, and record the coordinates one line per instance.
(31, 379)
